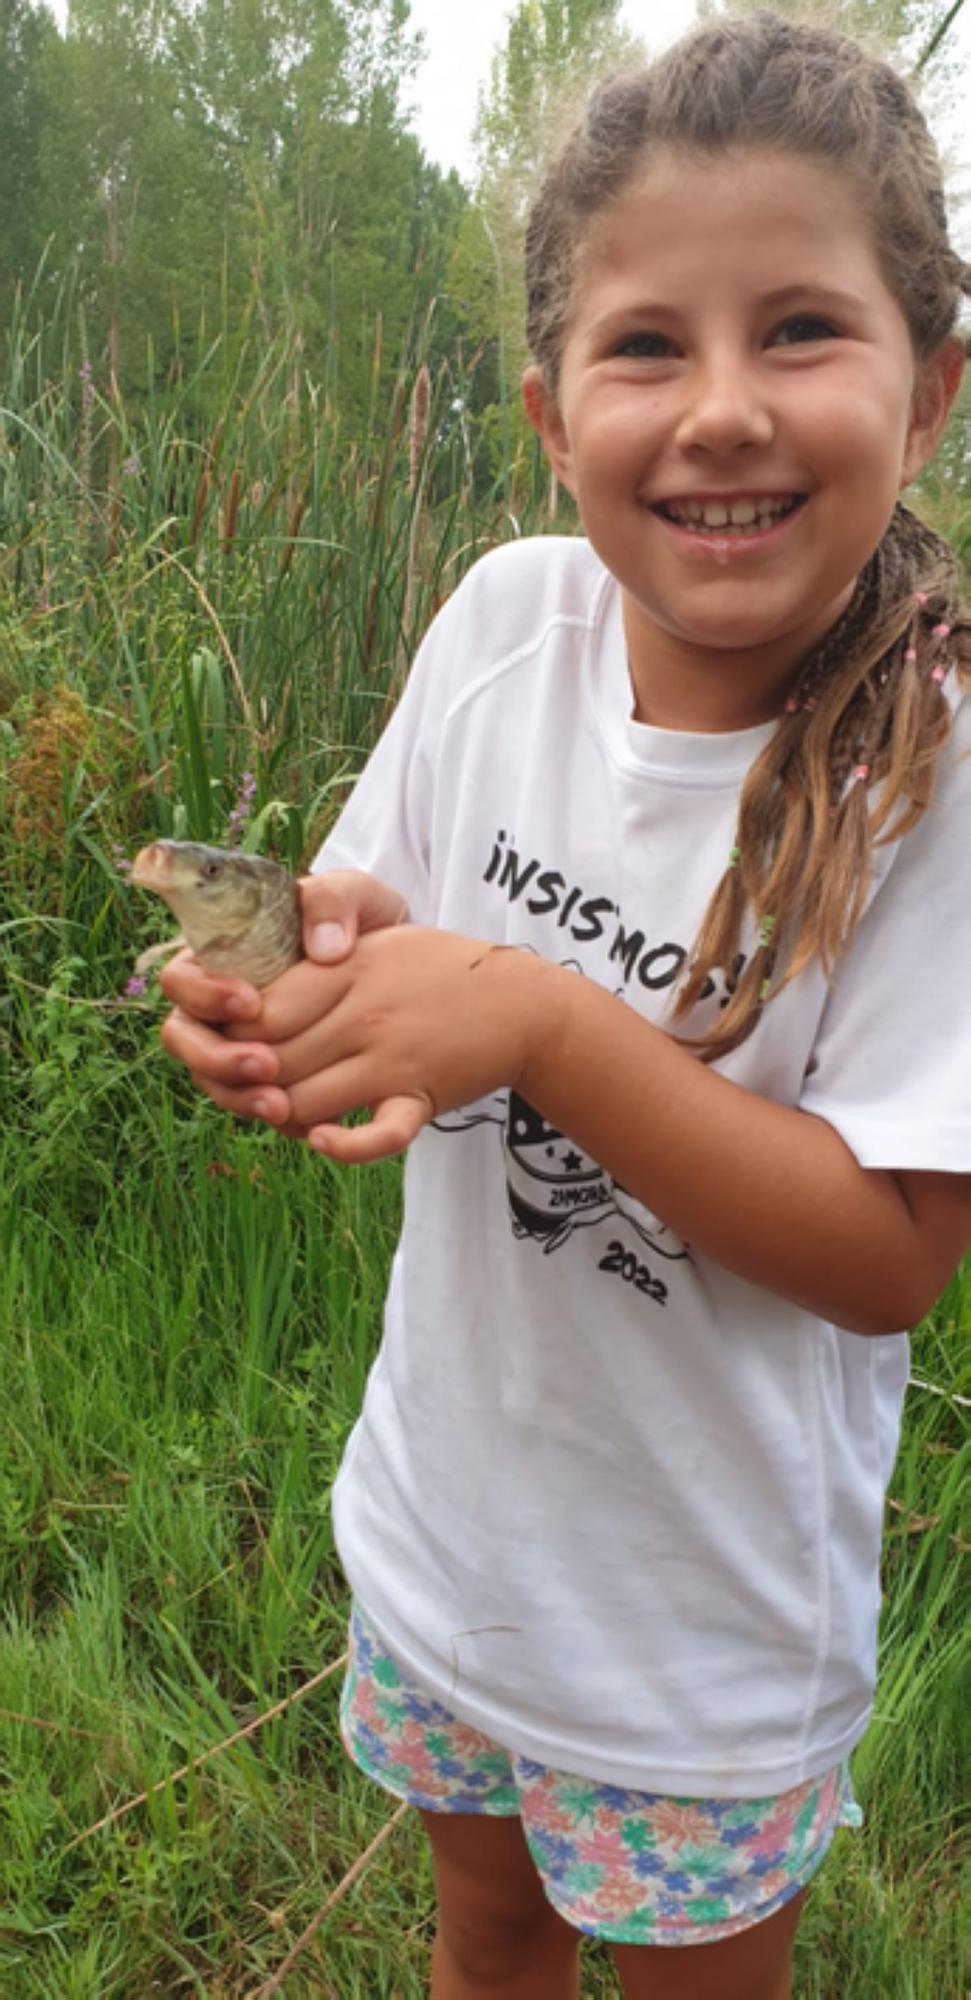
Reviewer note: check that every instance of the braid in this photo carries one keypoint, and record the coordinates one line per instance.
(868, 710)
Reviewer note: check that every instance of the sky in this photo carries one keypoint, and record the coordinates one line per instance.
(461, 40)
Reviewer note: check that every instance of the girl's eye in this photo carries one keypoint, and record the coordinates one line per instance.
(644, 346)
(805, 326)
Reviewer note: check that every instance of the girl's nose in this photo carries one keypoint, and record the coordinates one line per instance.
(725, 410)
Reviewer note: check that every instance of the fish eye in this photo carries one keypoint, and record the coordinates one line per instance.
(210, 869)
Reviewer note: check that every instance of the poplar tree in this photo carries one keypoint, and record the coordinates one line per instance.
(205, 163)
(553, 52)
(25, 32)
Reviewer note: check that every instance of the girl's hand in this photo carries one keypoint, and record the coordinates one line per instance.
(415, 1022)
(335, 906)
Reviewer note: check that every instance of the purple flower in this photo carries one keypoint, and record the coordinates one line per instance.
(123, 865)
(132, 467)
(136, 987)
(243, 807)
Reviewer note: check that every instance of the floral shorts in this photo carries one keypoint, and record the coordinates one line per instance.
(630, 1867)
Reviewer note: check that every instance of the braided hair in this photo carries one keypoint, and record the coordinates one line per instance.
(852, 762)
(868, 710)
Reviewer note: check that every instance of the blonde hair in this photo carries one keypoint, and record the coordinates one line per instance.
(867, 708)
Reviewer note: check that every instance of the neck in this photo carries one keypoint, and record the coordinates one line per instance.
(677, 685)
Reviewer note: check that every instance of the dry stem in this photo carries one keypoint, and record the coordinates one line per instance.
(274, 1983)
(249, 1730)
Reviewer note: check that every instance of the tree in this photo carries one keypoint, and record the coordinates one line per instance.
(202, 159)
(130, 191)
(25, 32)
(554, 50)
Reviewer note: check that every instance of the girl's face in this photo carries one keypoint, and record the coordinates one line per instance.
(738, 407)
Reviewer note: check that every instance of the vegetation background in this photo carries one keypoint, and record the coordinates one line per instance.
(258, 413)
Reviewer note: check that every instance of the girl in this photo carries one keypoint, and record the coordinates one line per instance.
(689, 1155)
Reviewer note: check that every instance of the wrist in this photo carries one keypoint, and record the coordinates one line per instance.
(543, 994)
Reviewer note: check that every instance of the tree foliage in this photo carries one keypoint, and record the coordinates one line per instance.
(553, 51)
(197, 163)
(24, 34)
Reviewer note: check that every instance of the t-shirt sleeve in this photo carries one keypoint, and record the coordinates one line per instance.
(386, 826)
(891, 1068)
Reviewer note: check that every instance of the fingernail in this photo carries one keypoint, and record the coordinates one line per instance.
(251, 1070)
(242, 1008)
(327, 940)
(261, 1107)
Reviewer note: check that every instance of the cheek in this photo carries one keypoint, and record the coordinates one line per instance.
(865, 438)
(614, 448)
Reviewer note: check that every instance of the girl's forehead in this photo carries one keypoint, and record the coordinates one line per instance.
(687, 208)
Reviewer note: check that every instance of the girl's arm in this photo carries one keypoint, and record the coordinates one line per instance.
(418, 1022)
(773, 1194)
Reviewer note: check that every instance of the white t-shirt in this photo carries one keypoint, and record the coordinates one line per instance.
(613, 1505)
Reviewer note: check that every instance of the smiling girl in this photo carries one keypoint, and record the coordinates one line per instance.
(680, 811)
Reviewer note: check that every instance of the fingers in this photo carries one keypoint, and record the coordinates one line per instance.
(339, 904)
(344, 1082)
(295, 1003)
(184, 982)
(261, 1101)
(215, 1060)
(395, 1125)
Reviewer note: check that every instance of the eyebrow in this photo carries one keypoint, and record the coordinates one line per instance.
(848, 301)
(808, 291)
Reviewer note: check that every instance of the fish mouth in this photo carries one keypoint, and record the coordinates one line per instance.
(152, 868)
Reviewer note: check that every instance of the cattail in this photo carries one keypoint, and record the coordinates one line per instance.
(205, 481)
(376, 352)
(293, 529)
(86, 373)
(232, 511)
(384, 476)
(421, 396)
(202, 495)
(370, 620)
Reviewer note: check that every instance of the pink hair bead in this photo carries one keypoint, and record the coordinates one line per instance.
(792, 705)
(940, 632)
(862, 771)
(910, 657)
(938, 674)
(920, 598)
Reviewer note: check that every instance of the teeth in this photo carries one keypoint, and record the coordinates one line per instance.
(728, 514)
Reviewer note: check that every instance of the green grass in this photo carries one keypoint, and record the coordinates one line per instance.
(188, 1310)
(180, 1374)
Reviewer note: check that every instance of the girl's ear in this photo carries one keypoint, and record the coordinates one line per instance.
(543, 411)
(938, 381)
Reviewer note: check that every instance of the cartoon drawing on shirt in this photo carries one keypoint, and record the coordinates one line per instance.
(554, 1187)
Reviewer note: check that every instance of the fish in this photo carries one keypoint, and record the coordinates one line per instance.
(239, 913)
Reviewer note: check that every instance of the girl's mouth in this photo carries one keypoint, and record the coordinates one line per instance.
(746, 522)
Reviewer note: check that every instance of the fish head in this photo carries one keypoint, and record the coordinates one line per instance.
(208, 888)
